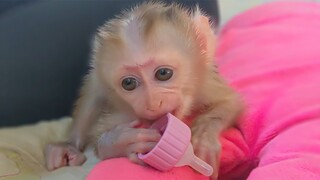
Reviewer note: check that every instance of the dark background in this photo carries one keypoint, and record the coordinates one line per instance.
(44, 52)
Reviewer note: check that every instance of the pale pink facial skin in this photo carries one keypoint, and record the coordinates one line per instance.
(152, 98)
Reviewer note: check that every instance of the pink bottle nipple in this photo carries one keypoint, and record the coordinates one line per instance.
(196, 163)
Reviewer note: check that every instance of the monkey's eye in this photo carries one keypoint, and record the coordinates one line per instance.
(164, 74)
(129, 84)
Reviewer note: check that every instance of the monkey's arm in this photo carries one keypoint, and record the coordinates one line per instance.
(86, 112)
(208, 126)
(220, 114)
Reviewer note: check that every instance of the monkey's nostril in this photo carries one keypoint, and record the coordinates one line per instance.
(160, 103)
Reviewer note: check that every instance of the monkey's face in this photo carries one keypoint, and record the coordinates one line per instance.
(153, 71)
(152, 85)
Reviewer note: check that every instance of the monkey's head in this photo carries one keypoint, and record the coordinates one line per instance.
(154, 57)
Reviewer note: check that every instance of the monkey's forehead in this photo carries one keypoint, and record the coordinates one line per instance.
(144, 18)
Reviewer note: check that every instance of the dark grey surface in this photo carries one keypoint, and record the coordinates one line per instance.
(6, 5)
(44, 50)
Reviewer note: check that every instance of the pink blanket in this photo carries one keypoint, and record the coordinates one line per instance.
(271, 56)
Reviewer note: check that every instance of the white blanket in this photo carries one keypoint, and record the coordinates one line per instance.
(21, 152)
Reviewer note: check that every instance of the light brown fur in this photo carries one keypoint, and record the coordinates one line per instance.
(145, 31)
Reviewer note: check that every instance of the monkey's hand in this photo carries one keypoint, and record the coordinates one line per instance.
(124, 140)
(205, 140)
(62, 154)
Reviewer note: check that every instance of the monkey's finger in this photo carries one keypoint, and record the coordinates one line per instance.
(197, 147)
(142, 147)
(48, 157)
(211, 155)
(201, 153)
(54, 156)
(133, 157)
(131, 124)
(148, 135)
(60, 161)
(59, 158)
(140, 135)
(215, 162)
(75, 157)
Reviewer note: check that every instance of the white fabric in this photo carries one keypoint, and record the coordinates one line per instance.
(21, 152)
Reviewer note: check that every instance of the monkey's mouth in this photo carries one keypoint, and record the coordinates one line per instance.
(151, 117)
(154, 116)
(174, 112)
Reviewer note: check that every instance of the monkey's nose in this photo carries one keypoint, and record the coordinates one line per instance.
(155, 106)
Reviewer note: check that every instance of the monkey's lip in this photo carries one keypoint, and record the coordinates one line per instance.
(174, 112)
(156, 117)
(153, 117)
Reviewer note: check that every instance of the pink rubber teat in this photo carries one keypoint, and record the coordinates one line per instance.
(193, 161)
(174, 147)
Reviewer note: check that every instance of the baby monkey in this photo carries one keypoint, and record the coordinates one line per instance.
(154, 59)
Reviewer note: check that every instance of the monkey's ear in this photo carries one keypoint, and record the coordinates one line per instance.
(206, 36)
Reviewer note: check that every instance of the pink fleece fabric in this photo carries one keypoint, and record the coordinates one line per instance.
(271, 56)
